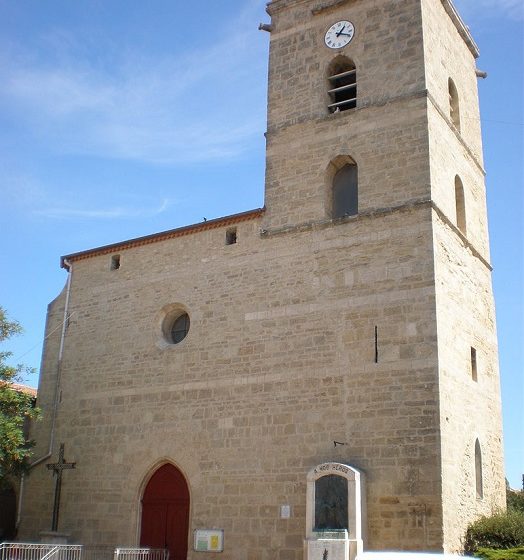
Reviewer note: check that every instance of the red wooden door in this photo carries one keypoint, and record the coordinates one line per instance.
(165, 512)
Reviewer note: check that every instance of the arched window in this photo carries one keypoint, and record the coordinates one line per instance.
(345, 191)
(454, 109)
(342, 85)
(478, 471)
(460, 205)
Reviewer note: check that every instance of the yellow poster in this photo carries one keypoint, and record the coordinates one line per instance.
(214, 542)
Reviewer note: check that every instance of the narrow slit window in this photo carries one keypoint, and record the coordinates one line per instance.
(460, 205)
(115, 262)
(376, 344)
(474, 364)
(342, 86)
(231, 236)
(479, 483)
(454, 107)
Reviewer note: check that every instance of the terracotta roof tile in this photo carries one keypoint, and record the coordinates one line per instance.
(148, 239)
(24, 389)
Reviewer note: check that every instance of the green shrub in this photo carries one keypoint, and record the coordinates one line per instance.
(515, 500)
(500, 531)
(508, 554)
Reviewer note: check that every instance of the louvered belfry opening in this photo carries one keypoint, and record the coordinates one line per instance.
(342, 85)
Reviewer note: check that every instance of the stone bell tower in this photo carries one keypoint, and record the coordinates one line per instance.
(374, 146)
(363, 103)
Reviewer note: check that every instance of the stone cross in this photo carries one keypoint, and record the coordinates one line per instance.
(57, 469)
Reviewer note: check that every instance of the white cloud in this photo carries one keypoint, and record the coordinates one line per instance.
(18, 188)
(481, 9)
(20, 191)
(102, 213)
(201, 105)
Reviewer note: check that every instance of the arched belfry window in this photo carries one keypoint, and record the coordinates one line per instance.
(479, 484)
(345, 191)
(342, 85)
(454, 108)
(460, 205)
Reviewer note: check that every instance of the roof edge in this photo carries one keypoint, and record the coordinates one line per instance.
(161, 236)
(276, 5)
(462, 28)
(20, 388)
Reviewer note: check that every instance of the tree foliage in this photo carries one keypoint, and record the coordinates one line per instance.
(515, 500)
(502, 530)
(16, 408)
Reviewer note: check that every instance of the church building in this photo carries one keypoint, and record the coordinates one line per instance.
(324, 367)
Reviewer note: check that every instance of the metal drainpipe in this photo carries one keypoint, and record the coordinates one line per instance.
(56, 396)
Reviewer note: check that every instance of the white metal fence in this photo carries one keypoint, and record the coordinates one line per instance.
(33, 551)
(141, 554)
(30, 551)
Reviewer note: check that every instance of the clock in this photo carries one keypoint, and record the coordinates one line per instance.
(339, 34)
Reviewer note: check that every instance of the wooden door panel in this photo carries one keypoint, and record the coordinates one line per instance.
(154, 517)
(176, 530)
(165, 512)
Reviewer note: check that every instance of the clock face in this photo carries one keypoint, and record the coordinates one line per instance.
(339, 34)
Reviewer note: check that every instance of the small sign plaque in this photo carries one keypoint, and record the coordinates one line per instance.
(285, 511)
(209, 540)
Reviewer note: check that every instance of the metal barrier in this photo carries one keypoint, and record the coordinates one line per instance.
(33, 551)
(141, 554)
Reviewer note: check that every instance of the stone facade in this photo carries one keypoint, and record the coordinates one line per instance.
(305, 331)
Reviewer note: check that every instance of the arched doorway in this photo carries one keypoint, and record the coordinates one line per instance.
(165, 512)
(7, 513)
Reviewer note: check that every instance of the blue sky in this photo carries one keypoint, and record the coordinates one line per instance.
(120, 118)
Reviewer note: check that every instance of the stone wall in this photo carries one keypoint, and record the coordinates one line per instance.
(469, 410)
(279, 363)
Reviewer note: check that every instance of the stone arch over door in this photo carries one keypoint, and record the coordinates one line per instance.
(165, 512)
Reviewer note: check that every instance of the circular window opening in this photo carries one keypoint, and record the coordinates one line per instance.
(179, 328)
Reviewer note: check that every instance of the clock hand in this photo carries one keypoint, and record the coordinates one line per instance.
(340, 32)
(346, 34)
